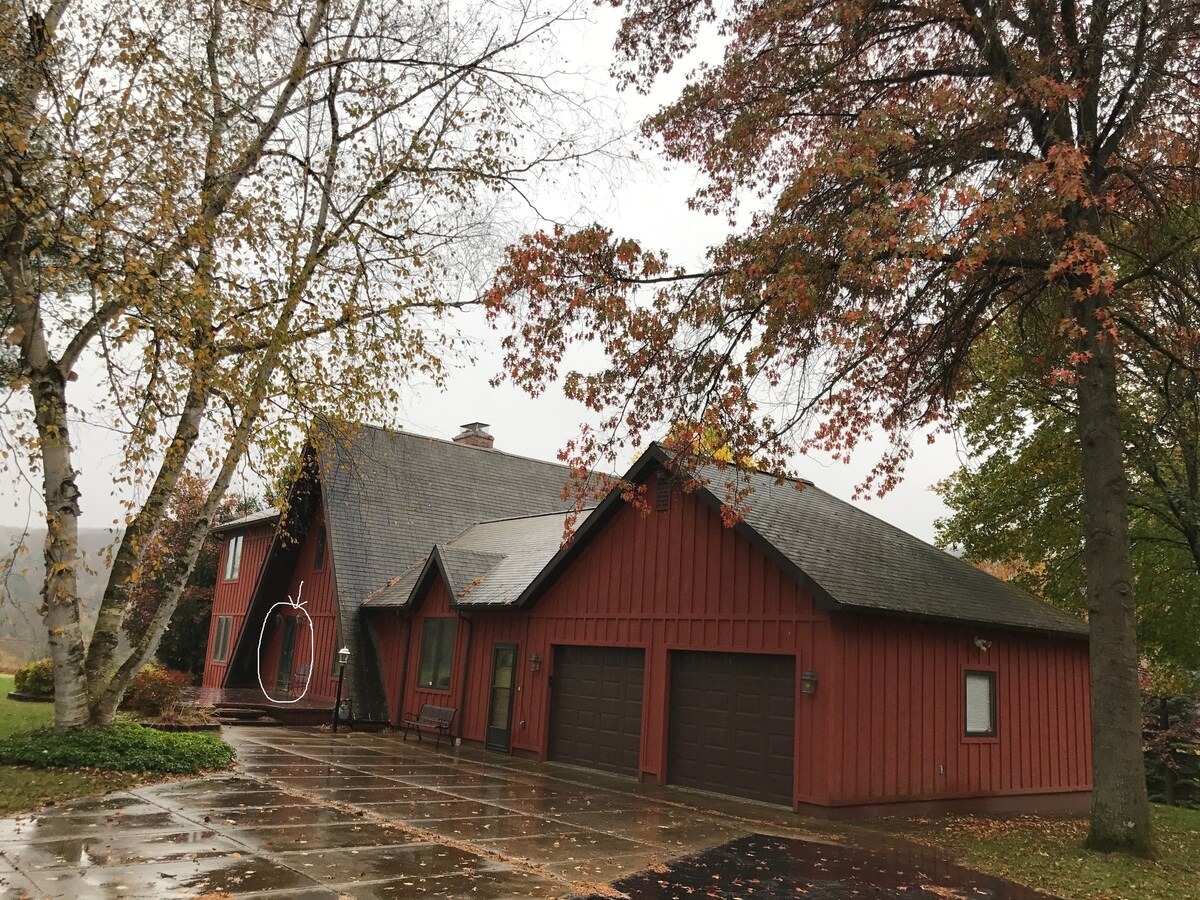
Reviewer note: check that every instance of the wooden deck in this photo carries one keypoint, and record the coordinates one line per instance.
(241, 703)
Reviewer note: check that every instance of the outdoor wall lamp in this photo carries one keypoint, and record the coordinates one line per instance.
(808, 682)
(535, 662)
(343, 658)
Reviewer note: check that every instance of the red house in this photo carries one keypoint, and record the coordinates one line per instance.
(811, 656)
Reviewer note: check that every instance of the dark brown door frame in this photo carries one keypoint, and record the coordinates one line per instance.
(497, 738)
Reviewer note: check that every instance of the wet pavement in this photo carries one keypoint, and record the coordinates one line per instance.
(770, 868)
(310, 814)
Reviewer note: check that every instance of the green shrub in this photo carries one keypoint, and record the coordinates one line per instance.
(154, 690)
(123, 746)
(36, 678)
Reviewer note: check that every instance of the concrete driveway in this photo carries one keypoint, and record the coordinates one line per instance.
(310, 814)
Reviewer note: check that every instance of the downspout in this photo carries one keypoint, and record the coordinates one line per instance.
(462, 694)
(400, 710)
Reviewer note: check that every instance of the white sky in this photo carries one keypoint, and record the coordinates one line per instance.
(646, 201)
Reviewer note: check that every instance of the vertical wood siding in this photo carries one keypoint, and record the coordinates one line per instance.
(318, 597)
(902, 731)
(232, 598)
(669, 580)
(888, 710)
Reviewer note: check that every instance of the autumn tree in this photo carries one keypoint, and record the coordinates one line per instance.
(184, 640)
(1018, 502)
(220, 222)
(905, 175)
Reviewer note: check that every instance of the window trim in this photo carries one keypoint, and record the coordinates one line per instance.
(449, 624)
(993, 734)
(233, 557)
(221, 634)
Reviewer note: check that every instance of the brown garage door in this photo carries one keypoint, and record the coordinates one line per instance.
(732, 724)
(596, 707)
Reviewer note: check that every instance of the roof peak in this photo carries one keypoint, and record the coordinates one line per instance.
(450, 442)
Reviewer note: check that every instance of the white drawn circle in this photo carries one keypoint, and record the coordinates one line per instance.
(294, 604)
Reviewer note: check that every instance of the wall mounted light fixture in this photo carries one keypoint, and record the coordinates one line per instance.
(535, 662)
(808, 682)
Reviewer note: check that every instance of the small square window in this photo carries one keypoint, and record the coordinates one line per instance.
(979, 691)
(437, 654)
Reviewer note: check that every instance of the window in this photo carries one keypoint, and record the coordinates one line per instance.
(980, 704)
(437, 650)
(319, 554)
(221, 638)
(233, 558)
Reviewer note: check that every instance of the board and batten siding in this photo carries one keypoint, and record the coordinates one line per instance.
(888, 707)
(232, 598)
(902, 735)
(675, 579)
(319, 596)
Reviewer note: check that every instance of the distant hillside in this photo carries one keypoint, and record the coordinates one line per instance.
(22, 634)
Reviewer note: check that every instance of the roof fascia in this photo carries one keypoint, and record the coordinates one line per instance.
(1024, 630)
(269, 521)
(434, 566)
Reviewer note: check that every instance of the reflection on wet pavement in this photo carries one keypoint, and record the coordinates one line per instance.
(773, 867)
(312, 814)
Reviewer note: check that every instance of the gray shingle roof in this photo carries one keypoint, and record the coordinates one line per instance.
(861, 562)
(490, 564)
(391, 496)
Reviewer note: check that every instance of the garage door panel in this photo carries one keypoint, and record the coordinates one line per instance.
(732, 720)
(596, 707)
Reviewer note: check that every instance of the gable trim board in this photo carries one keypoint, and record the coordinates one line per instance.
(793, 578)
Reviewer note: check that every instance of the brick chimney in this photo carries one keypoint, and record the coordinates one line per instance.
(475, 434)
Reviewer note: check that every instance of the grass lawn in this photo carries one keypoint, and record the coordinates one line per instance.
(23, 787)
(1048, 854)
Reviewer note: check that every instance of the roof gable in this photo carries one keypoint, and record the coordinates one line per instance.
(489, 564)
(844, 557)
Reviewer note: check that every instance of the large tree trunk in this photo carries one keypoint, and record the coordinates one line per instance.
(1120, 806)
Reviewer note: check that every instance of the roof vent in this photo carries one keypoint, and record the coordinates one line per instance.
(475, 434)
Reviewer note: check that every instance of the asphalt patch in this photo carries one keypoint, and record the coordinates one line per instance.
(764, 868)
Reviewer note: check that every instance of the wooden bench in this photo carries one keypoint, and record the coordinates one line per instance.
(435, 718)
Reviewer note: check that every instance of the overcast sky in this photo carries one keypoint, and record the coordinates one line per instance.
(647, 201)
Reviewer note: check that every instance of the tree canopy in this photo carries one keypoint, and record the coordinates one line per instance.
(902, 177)
(1018, 503)
(220, 221)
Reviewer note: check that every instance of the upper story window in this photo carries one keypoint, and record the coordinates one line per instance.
(233, 558)
(319, 553)
(437, 653)
(979, 692)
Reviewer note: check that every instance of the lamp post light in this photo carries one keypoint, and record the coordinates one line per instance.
(343, 658)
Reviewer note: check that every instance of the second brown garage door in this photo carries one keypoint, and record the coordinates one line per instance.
(733, 724)
(596, 707)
